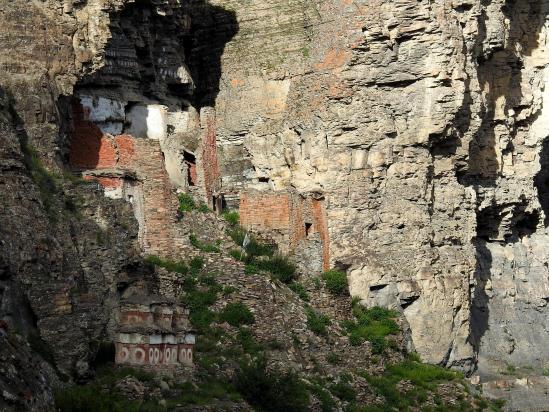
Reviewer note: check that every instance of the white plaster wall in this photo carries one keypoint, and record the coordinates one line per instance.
(157, 121)
(107, 114)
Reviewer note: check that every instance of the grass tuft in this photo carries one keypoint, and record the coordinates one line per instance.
(317, 322)
(170, 265)
(372, 325)
(237, 314)
(335, 281)
(186, 202)
(203, 246)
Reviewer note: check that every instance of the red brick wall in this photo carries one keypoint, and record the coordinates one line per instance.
(209, 156)
(296, 226)
(90, 149)
(286, 213)
(265, 210)
(160, 202)
(320, 226)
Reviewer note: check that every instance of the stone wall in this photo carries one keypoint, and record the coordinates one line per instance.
(153, 334)
(132, 169)
(290, 219)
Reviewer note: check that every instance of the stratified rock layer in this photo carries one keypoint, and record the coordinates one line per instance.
(419, 127)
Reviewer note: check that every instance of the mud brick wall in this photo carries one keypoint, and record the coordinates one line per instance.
(283, 217)
(209, 162)
(160, 202)
(265, 210)
(91, 149)
(320, 225)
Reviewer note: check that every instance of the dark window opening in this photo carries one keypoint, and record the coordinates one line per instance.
(219, 204)
(308, 227)
(264, 180)
(190, 161)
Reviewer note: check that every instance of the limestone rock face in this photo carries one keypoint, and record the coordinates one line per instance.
(422, 125)
(418, 127)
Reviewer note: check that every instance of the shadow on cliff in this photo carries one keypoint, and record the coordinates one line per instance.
(173, 59)
(212, 27)
(55, 260)
(499, 72)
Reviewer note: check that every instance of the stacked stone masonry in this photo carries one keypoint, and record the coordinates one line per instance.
(133, 169)
(289, 218)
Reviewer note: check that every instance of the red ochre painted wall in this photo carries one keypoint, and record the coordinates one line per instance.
(285, 213)
(155, 355)
(209, 156)
(92, 150)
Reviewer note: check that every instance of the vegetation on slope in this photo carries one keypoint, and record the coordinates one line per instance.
(241, 363)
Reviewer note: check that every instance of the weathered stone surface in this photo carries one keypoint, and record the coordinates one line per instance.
(421, 126)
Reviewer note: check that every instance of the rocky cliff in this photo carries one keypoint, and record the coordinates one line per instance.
(403, 142)
(421, 125)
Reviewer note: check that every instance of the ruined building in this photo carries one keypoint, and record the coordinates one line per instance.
(403, 142)
(153, 334)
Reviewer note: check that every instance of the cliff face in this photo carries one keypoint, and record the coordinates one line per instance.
(408, 138)
(422, 127)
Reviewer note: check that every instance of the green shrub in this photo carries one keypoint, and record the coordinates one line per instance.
(203, 207)
(189, 284)
(227, 290)
(372, 325)
(327, 403)
(279, 266)
(333, 358)
(232, 218)
(271, 390)
(299, 289)
(343, 391)
(205, 247)
(317, 282)
(208, 280)
(100, 395)
(200, 299)
(355, 300)
(317, 322)
(335, 281)
(254, 248)
(201, 319)
(251, 269)
(196, 264)
(236, 314)
(248, 342)
(87, 399)
(170, 265)
(186, 202)
(236, 254)
(202, 393)
(423, 377)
